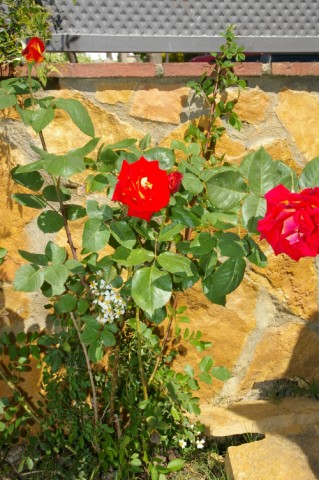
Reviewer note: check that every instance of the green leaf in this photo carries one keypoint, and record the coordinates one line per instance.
(97, 183)
(56, 274)
(309, 177)
(66, 303)
(123, 234)
(206, 364)
(30, 167)
(50, 221)
(86, 149)
(145, 142)
(285, 176)
(176, 464)
(128, 142)
(226, 189)
(224, 280)
(202, 244)
(36, 258)
(95, 235)
(89, 335)
(230, 245)
(108, 338)
(29, 200)
(107, 159)
(7, 101)
(169, 232)
(151, 288)
(253, 209)
(55, 253)
(74, 212)
(165, 157)
(255, 254)
(221, 220)
(41, 118)
(63, 165)
(96, 351)
(175, 263)
(206, 378)
(261, 174)
(94, 210)
(192, 183)
(221, 373)
(138, 256)
(28, 278)
(78, 114)
(31, 180)
(183, 215)
(75, 266)
(50, 193)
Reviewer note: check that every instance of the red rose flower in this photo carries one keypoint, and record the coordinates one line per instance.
(291, 223)
(143, 187)
(33, 51)
(174, 181)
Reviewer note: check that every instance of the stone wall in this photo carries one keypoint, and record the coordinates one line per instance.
(270, 327)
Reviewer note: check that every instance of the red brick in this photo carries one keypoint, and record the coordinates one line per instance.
(302, 69)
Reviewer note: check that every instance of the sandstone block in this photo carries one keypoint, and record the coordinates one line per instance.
(160, 104)
(114, 92)
(252, 104)
(299, 114)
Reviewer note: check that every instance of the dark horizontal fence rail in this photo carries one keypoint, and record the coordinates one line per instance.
(273, 26)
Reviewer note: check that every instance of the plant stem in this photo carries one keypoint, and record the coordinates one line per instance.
(167, 333)
(12, 386)
(139, 354)
(89, 369)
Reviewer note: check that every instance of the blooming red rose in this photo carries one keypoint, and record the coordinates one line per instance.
(174, 181)
(33, 51)
(143, 187)
(291, 223)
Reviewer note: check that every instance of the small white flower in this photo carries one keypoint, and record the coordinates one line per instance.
(200, 443)
(182, 443)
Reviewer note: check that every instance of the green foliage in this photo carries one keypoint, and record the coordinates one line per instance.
(19, 20)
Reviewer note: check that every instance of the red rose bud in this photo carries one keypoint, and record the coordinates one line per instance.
(174, 181)
(143, 187)
(33, 51)
(291, 223)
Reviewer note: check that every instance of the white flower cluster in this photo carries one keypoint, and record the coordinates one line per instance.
(109, 303)
(199, 442)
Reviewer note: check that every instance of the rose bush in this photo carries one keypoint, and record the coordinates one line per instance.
(291, 223)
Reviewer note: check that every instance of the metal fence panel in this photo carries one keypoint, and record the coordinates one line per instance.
(183, 25)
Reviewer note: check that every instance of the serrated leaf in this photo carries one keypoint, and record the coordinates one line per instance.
(224, 280)
(206, 364)
(56, 274)
(55, 253)
(123, 234)
(165, 157)
(36, 258)
(30, 167)
(28, 278)
(39, 119)
(63, 165)
(183, 215)
(108, 338)
(192, 183)
(145, 142)
(176, 464)
(261, 174)
(151, 288)
(31, 180)
(96, 351)
(309, 177)
(253, 209)
(206, 378)
(95, 210)
(169, 232)
(226, 189)
(175, 263)
(29, 200)
(95, 235)
(74, 212)
(89, 335)
(50, 222)
(221, 373)
(66, 303)
(139, 255)
(78, 114)
(7, 101)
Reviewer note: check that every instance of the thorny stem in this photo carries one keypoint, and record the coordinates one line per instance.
(139, 354)
(88, 364)
(74, 255)
(212, 109)
(167, 333)
(12, 386)
(114, 373)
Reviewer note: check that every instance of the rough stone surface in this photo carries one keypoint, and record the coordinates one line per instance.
(275, 457)
(251, 106)
(305, 107)
(259, 416)
(115, 92)
(160, 104)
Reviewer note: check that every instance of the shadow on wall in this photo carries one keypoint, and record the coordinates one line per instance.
(292, 423)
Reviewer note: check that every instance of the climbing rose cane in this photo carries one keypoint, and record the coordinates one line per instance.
(291, 223)
(143, 187)
(33, 51)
